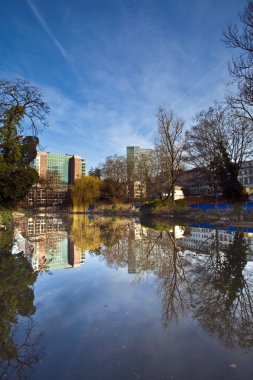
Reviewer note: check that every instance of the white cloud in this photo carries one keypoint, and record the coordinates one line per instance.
(45, 26)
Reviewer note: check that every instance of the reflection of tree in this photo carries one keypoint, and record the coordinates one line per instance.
(145, 250)
(84, 233)
(16, 299)
(175, 286)
(114, 235)
(212, 282)
(223, 295)
(19, 357)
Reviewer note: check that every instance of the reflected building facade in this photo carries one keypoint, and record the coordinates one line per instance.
(201, 238)
(50, 247)
(144, 243)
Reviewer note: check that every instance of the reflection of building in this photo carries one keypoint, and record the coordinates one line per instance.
(202, 238)
(140, 249)
(57, 172)
(50, 245)
(145, 245)
(137, 156)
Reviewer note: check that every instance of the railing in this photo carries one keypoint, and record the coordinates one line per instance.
(222, 207)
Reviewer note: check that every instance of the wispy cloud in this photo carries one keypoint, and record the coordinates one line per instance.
(45, 26)
(90, 129)
(123, 62)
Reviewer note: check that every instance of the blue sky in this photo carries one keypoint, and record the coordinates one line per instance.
(105, 67)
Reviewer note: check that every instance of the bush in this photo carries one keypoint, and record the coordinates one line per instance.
(159, 205)
(6, 234)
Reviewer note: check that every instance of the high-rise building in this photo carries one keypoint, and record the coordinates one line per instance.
(134, 155)
(56, 172)
(137, 156)
(65, 167)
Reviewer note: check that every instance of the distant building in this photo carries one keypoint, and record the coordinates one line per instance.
(195, 182)
(135, 157)
(65, 167)
(198, 181)
(56, 172)
(245, 176)
(178, 193)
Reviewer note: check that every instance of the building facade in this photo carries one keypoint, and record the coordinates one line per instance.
(135, 157)
(196, 181)
(57, 172)
(65, 167)
(245, 176)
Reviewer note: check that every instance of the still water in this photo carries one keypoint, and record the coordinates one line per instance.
(85, 298)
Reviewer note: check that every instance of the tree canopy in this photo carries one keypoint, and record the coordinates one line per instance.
(241, 64)
(20, 95)
(220, 143)
(85, 191)
(22, 111)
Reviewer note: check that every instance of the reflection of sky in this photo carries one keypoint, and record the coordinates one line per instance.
(100, 324)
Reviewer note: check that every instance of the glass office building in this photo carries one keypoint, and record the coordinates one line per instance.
(64, 167)
(56, 172)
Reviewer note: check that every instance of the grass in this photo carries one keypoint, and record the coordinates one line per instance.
(6, 220)
(163, 206)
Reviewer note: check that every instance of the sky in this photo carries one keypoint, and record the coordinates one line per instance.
(105, 67)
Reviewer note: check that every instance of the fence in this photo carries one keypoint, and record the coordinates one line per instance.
(222, 207)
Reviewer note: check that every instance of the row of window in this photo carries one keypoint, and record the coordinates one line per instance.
(246, 172)
(246, 180)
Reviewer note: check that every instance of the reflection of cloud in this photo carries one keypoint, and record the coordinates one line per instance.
(179, 232)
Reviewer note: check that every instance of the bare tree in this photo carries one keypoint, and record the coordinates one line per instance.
(114, 175)
(115, 168)
(20, 95)
(241, 65)
(220, 142)
(154, 173)
(170, 144)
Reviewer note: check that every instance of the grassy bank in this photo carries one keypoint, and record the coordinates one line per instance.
(181, 212)
(167, 210)
(6, 227)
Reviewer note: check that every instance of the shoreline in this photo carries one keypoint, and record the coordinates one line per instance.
(175, 216)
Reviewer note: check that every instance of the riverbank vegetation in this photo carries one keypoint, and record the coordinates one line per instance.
(6, 227)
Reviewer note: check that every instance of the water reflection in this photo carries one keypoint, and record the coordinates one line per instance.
(48, 244)
(223, 292)
(19, 339)
(200, 270)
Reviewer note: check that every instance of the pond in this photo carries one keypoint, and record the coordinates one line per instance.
(103, 298)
